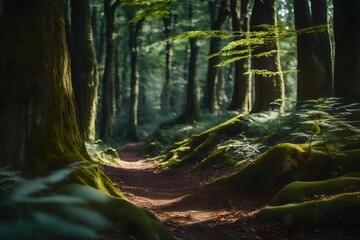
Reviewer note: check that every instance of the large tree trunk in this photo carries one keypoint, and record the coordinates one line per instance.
(38, 123)
(166, 92)
(218, 15)
(191, 112)
(313, 51)
(134, 31)
(84, 68)
(241, 99)
(267, 89)
(347, 49)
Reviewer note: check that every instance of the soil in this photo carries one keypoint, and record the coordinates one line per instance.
(191, 208)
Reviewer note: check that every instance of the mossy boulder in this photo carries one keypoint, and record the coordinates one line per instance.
(339, 210)
(281, 164)
(217, 159)
(197, 147)
(296, 192)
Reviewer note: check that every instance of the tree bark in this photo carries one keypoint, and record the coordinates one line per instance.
(166, 92)
(347, 49)
(84, 68)
(241, 99)
(313, 51)
(134, 31)
(191, 112)
(39, 129)
(108, 91)
(218, 15)
(267, 89)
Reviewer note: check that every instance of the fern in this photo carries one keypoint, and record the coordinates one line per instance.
(30, 208)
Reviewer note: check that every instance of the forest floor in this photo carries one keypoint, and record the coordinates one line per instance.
(190, 208)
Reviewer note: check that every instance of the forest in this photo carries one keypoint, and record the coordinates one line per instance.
(179, 119)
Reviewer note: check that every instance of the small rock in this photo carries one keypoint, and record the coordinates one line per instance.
(257, 237)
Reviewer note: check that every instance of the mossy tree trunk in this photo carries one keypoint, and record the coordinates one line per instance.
(191, 112)
(267, 89)
(166, 92)
(84, 67)
(241, 99)
(347, 49)
(108, 91)
(134, 32)
(39, 129)
(313, 51)
(218, 15)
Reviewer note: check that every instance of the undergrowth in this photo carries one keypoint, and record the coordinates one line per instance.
(32, 208)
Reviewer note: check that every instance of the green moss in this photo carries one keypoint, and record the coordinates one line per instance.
(302, 191)
(282, 163)
(343, 209)
(218, 158)
(192, 149)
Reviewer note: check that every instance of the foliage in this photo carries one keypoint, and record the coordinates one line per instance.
(329, 121)
(102, 153)
(30, 208)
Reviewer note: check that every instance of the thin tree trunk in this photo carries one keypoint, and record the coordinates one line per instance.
(166, 92)
(242, 84)
(84, 68)
(118, 79)
(108, 98)
(267, 89)
(347, 49)
(217, 20)
(134, 31)
(192, 109)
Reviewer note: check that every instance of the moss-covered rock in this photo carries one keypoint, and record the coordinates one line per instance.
(343, 209)
(296, 192)
(218, 158)
(282, 163)
(197, 147)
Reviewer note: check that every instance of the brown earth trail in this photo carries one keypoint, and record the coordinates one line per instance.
(192, 209)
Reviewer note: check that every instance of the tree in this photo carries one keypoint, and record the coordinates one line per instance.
(313, 51)
(166, 92)
(347, 50)
(84, 68)
(192, 109)
(108, 98)
(37, 112)
(218, 15)
(134, 31)
(242, 84)
(267, 89)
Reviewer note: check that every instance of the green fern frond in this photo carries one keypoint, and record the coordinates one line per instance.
(158, 10)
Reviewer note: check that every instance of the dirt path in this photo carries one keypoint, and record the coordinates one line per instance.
(190, 208)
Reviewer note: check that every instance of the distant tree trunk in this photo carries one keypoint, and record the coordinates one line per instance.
(217, 19)
(313, 50)
(220, 89)
(84, 68)
(39, 129)
(134, 31)
(347, 49)
(191, 112)
(242, 84)
(108, 104)
(166, 92)
(118, 79)
(267, 89)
